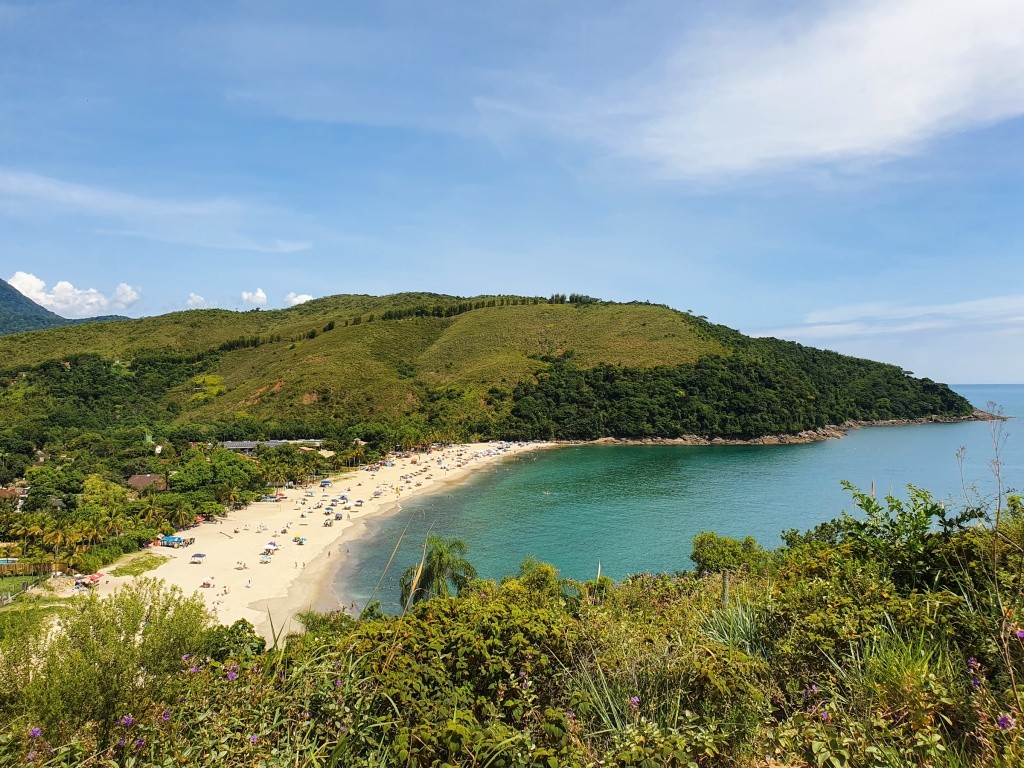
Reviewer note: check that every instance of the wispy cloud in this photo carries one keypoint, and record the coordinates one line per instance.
(836, 83)
(68, 301)
(215, 223)
(996, 314)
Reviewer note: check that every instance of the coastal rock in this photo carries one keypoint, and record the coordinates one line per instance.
(817, 435)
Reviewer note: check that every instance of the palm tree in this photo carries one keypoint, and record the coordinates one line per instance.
(151, 511)
(442, 567)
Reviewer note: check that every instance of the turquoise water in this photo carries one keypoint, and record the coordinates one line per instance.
(637, 508)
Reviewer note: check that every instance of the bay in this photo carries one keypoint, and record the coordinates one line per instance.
(637, 508)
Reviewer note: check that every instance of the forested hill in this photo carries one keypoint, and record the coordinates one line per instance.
(413, 367)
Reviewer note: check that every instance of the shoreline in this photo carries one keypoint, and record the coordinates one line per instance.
(816, 435)
(269, 594)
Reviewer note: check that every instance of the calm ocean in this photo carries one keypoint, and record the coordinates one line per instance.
(637, 508)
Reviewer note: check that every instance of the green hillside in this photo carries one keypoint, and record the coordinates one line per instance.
(413, 367)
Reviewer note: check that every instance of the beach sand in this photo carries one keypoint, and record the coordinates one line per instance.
(297, 577)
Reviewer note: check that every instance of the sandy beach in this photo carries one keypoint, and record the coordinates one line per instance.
(269, 590)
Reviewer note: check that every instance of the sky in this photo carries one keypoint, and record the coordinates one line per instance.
(848, 175)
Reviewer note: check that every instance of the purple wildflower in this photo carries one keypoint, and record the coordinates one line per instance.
(186, 657)
(825, 715)
(973, 665)
(139, 743)
(1006, 723)
(126, 720)
(570, 715)
(31, 757)
(253, 739)
(165, 715)
(338, 683)
(121, 742)
(634, 703)
(1020, 634)
(975, 683)
(232, 674)
(36, 732)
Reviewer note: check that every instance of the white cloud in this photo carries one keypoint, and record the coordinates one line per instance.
(125, 295)
(195, 301)
(215, 223)
(68, 301)
(256, 298)
(297, 298)
(844, 82)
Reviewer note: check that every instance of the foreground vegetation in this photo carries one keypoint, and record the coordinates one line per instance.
(892, 638)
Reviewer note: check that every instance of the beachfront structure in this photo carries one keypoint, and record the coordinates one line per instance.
(248, 447)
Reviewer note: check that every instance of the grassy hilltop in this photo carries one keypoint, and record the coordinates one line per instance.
(422, 365)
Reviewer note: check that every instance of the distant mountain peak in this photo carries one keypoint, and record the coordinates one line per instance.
(19, 313)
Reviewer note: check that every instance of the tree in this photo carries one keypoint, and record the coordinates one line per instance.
(713, 553)
(442, 568)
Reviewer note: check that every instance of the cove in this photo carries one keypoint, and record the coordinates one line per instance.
(637, 508)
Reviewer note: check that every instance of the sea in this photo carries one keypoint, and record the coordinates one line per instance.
(628, 509)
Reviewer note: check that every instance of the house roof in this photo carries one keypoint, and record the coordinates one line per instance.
(142, 482)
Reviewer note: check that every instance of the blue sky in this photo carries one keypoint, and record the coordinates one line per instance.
(845, 174)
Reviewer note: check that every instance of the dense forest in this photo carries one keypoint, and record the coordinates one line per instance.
(781, 389)
(890, 638)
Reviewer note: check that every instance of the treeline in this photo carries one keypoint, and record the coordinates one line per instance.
(461, 307)
(786, 388)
